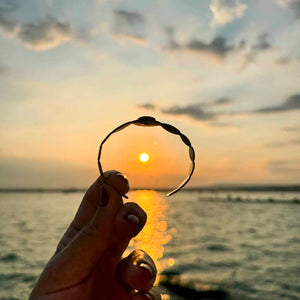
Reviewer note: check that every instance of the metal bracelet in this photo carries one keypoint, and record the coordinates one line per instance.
(148, 121)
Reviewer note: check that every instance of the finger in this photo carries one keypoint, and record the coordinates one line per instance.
(129, 222)
(77, 260)
(153, 294)
(137, 271)
(90, 203)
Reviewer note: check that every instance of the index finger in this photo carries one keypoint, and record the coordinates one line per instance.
(90, 203)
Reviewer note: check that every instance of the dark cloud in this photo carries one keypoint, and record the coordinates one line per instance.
(7, 23)
(46, 34)
(148, 106)
(292, 103)
(205, 111)
(217, 47)
(129, 17)
(262, 43)
(194, 111)
(129, 24)
(222, 101)
(242, 44)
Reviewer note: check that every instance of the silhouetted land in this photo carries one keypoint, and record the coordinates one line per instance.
(212, 188)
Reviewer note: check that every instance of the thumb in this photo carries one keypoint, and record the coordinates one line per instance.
(82, 254)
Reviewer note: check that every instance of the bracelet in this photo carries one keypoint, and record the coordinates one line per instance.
(148, 122)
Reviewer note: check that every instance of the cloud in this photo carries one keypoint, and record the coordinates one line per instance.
(226, 11)
(205, 111)
(194, 111)
(130, 25)
(46, 34)
(292, 5)
(292, 103)
(261, 44)
(222, 101)
(216, 49)
(148, 106)
(7, 24)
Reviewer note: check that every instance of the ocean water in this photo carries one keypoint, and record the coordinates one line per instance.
(232, 245)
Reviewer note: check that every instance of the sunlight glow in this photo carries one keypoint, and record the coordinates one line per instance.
(144, 157)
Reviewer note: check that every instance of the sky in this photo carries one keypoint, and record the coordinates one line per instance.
(224, 72)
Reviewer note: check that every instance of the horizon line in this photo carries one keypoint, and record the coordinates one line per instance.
(213, 187)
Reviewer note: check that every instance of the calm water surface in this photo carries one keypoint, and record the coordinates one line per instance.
(247, 244)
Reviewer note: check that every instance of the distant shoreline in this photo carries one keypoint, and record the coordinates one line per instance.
(213, 188)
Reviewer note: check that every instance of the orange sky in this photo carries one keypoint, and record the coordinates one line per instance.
(227, 77)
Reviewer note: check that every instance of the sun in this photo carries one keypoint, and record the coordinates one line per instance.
(144, 157)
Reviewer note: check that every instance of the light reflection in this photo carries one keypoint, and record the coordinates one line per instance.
(155, 233)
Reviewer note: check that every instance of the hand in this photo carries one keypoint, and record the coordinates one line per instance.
(87, 264)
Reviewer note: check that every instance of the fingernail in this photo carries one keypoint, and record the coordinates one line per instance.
(123, 178)
(121, 175)
(104, 197)
(134, 220)
(146, 267)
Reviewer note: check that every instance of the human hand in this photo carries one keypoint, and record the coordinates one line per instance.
(87, 263)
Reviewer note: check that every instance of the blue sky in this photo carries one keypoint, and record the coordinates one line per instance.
(226, 72)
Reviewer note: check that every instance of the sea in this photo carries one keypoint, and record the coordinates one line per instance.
(206, 244)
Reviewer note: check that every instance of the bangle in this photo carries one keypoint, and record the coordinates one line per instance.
(148, 122)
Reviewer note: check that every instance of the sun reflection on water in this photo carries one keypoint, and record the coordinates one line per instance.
(155, 233)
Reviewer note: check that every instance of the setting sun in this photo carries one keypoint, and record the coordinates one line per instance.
(144, 157)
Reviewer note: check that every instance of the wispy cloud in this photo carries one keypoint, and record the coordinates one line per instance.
(292, 103)
(46, 34)
(261, 44)
(218, 48)
(7, 24)
(226, 11)
(130, 25)
(292, 5)
(147, 106)
(205, 111)
(221, 101)
(195, 111)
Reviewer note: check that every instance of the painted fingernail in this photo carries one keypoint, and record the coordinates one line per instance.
(123, 178)
(121, 175)
(146, 267)
(104, 197)
(134, 220)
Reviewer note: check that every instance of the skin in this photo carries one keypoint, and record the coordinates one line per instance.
(88, 261)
